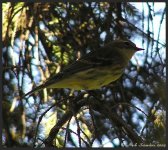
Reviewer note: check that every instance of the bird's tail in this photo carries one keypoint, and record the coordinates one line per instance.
(40, 87)
(36, 89)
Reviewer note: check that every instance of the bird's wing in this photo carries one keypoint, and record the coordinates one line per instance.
(93, 59)
(101, 57)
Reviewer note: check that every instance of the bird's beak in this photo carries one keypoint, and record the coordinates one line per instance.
(139, 49)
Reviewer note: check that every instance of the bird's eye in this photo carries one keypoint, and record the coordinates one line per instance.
(127, 43)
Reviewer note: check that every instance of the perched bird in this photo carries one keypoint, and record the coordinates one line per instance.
(95, 69)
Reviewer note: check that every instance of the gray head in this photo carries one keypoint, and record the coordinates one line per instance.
(125, 47)
(126, 44)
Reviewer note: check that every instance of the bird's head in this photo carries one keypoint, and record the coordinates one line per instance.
(126, 47)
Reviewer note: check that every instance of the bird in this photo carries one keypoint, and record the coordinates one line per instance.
(95, 69)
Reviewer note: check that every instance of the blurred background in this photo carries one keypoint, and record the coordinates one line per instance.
(40, 39)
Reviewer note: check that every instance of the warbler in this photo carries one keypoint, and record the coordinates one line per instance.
(95, 69)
